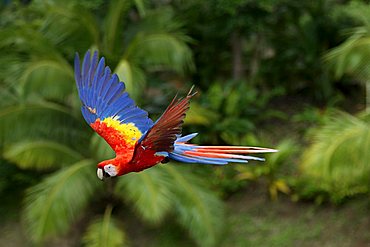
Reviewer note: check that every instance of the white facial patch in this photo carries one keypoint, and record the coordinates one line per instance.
(111, 170)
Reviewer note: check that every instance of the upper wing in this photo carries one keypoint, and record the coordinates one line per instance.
(162, 136)
(106, 107)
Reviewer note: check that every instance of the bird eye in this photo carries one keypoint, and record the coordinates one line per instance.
(110, 170)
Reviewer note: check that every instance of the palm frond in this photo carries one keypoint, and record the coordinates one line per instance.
(133, 77)
(25, 38)
(48, 79)
(352, 56)
(52, 205)
(141, 7)
(69, 26)
(198, 209)
(198, 115)
(338, 161)
(113, 25)
(354, 10)
(99, 148)
(40, 121)
(7, 97)
(41, 154)
(287, 148)
(157, 191)
(148, 192)
(105, 232)
(160, 51)
(17, 46)
(162, 19)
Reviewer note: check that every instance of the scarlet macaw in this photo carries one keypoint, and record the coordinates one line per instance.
(137, 141)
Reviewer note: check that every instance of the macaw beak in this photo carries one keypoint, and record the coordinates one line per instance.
(100, 174)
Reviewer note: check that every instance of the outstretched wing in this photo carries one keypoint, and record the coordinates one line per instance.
(161, 137)
(106, 106)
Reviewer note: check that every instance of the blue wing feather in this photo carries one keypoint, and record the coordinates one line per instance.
(103, 95)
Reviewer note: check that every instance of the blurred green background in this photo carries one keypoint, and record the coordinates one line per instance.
(292, 75)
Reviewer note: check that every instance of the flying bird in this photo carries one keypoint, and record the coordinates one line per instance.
(140, 143)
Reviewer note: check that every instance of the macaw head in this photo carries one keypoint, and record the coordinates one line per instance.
(107, 168)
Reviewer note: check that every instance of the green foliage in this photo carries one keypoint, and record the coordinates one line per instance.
(99, 148)
(311, 115)
(45, 121)
(149, 192)
(234, 108)
(351, 56)
(42, 154)
(156, 43)
(198, 209)
(168, 188)
(274, 171)
(104, 232)
(58, 73)
(59, 200)
(337, 162)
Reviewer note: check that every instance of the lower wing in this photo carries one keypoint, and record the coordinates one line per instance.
(214, 155)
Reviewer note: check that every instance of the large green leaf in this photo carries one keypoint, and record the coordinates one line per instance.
(148, 192)
(200, 115)
(56, 202)
(40, 121)
(199, 210)
(133, 77)
(69, 26)
(47, 78)
(41, 154)
(352, 56)
(104, 232)
(160, 51)
(100, 149)
(156, 191)
(7, 97)
(338, 161)
(17, 46)
(113, 25)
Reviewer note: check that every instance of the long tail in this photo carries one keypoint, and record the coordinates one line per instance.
(215, 155)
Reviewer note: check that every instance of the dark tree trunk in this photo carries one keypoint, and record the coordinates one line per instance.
(237, 56)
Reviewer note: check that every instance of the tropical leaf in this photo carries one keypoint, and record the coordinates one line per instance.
(100, 149)
(104, 232)
(59, 200)
(40, 121)
(352, 56)
(165, 188)
(7, 97)
(48, 79)
(133, 77)
(160, 51)
(113, 23)
(148, 192)
(286, 149)
(25, 37)
(141, 6)
(41, 154)
(198, 209)
(338, 161)
(17, 46)
(200, 115)
(159, 20)
(69, 26)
